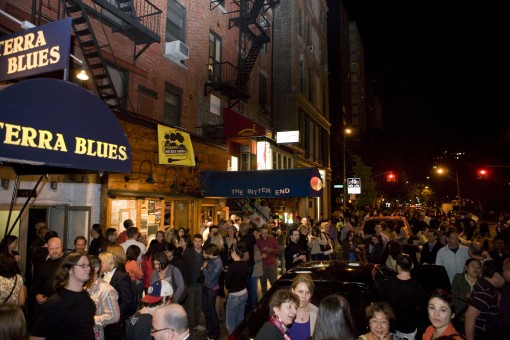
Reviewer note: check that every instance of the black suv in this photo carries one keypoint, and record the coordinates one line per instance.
(355, 281)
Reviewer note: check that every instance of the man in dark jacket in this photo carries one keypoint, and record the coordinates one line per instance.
(429, 251)
(42, 286)
(192, 260)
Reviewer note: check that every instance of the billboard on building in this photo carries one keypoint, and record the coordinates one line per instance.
(174, 147)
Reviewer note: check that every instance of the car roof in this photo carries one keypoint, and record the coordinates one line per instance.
(334, 270)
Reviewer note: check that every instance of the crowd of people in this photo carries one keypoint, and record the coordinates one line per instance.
(125, 286)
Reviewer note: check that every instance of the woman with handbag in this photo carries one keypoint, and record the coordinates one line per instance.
(316, 241)
(12, 289)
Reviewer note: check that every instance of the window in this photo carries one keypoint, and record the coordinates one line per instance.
(120, 81)
(311, 87)
(301, 76)
(175, 21)
(245, 161)
(301, 22)
(146, 101)
(173, 104)
(214, 57)
(262, 92)
(315, 139)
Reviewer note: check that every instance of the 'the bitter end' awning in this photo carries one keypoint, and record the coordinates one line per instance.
(55, 126)
(304, 182)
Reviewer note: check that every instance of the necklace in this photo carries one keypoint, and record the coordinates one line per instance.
(302, 314)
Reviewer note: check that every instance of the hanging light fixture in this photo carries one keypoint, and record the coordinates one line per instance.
(82, 75)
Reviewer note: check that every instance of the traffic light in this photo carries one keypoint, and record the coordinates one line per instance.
(390, 177)
(482, 173)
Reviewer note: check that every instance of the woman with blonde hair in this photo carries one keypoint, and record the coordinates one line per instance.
(304, 324)
(116, 276)
(104, 296)
(118, 252)
(170, 237)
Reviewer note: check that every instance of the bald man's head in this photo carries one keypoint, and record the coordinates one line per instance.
(55, 248)
(170, 317)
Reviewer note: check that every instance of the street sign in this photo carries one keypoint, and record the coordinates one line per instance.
(353, 185)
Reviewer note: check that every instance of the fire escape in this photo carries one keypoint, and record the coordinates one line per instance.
(138, 20)
(232, 80)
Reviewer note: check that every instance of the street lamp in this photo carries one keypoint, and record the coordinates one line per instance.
(346, 132)
(442, 171)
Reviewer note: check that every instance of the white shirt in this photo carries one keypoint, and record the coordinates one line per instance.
(140, 245)
(108, 276)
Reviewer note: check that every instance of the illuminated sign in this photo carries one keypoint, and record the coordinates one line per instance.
(287, 137)
(353, 185)
(303, 182)
(38, 50)
(175, 147)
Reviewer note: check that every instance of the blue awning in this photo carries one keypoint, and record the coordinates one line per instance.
(264, 183)
(53, 126)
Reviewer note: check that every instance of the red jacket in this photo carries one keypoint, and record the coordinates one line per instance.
(269, 247)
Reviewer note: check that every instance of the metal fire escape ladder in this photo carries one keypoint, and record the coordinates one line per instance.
(252, 37)
(92, 53)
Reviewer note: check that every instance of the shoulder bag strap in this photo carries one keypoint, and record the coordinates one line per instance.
(13, 286)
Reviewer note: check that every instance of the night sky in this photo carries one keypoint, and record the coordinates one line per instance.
(441, 69)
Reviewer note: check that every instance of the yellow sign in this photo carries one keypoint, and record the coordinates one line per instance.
(174, 147)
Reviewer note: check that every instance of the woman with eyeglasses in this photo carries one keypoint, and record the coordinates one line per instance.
(69, 313)
(379, 316)
(104, 296)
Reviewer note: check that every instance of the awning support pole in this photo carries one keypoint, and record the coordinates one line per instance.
(32, 194)
(13, 199)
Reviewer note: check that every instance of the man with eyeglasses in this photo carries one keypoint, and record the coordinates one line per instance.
(171, 322)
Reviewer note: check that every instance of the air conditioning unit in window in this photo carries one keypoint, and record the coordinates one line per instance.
(310, 48)
(176, 49)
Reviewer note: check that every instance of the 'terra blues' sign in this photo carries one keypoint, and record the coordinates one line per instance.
(53, 123)
(38, 50)
(304, 182)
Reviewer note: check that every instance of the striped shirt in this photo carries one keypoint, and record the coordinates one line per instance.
(485, 299)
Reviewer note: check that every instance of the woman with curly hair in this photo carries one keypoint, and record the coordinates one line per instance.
(69, 313)
(282, 310)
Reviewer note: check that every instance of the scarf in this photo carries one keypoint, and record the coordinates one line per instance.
(279, 324)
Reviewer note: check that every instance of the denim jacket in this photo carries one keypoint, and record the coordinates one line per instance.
(212, 272)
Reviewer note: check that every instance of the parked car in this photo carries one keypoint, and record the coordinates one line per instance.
(388, 223)
(355, 281)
